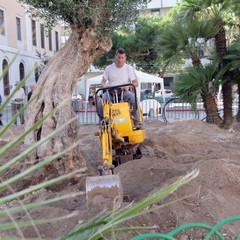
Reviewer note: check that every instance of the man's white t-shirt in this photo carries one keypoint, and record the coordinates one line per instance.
(20, 94)
(118, 76)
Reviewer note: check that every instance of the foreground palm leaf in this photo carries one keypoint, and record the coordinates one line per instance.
(106, 223)
(8, 183)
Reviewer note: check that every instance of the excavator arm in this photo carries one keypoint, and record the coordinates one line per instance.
(105, 189)
(116, 131)
(105, 133)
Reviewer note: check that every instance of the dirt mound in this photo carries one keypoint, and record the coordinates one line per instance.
(169, 151)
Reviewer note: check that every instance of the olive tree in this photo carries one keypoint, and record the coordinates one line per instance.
(91, 23)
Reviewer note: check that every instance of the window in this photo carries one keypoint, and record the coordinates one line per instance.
(57, 41)
(6, 85)
(22, 75)
(210, 42)
(19, 33)
(155, 12)
(21, 71)
(42, 36)
(201, 53)
(34, 36)
(50, 40)
(2, 29)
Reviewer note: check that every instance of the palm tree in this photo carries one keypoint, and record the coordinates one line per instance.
(233, 59)
(181, 38)
(200, 81)
(218, 11)
(185, 39)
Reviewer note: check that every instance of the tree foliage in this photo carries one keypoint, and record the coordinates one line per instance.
(184, 39)
(224, 15)
(102, 15)
(138, 40)
(198, 81)
(187, 32)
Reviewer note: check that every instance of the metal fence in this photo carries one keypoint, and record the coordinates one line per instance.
(7, 114)
(172, 110)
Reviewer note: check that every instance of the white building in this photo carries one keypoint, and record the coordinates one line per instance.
(159, 7)
(22, 35)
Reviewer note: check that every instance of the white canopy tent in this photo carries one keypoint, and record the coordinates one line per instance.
(141, 76)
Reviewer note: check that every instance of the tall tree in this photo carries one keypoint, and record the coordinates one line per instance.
(200, 81)
(138, 40)
(233, 64)
(220, 11)
(187, 39)
(91, 22)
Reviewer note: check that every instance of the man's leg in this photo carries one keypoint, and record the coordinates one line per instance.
(14, 111)
(99, 102)
(105, 97)
(130, 97)
(99, 105)
(21, 114)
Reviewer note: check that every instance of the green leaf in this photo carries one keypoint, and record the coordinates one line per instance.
(105, 223)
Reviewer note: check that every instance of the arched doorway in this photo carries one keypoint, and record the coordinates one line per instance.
(22, 75)
(6, 86)
(21, 71)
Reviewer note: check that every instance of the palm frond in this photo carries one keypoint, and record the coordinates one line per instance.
(106, 223)
(196, 81)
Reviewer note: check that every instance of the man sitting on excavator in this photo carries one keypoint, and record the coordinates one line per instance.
(119, 73)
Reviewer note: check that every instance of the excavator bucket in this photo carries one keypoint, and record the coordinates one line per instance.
(105, 191)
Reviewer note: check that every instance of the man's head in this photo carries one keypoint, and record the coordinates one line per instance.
(120, 57)
(32, 87)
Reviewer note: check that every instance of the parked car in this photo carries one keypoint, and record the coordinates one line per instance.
(168, 95)
(168, 92)
(147, 94)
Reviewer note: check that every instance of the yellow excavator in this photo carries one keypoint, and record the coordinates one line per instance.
(120, 143)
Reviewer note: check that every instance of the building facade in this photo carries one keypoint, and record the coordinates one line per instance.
(159, 7)
(25, 44)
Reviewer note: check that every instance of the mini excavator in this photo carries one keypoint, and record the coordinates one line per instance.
(120, 143)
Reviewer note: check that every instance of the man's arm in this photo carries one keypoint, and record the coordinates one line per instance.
(135, 82)
(132, 76)
(104, 82)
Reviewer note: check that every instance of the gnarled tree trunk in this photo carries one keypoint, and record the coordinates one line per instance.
(57, 82)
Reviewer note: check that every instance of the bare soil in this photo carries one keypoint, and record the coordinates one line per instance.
(169, 151)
